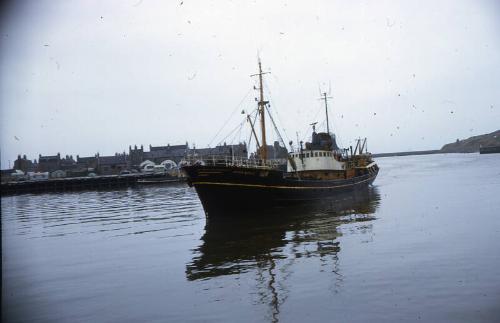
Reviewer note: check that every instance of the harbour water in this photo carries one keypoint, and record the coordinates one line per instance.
(421, 245)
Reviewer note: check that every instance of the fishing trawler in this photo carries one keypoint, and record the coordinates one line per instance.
(317, 170)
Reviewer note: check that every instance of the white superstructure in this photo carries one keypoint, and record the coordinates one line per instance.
(309, 160)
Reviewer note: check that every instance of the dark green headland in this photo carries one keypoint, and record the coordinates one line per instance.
(487, 143)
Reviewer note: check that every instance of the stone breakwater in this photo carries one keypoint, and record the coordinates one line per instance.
(84, 183)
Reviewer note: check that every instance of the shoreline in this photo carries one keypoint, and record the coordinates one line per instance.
(408, 153)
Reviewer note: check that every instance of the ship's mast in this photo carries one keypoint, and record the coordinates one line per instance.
(325, 98)
(262, 111)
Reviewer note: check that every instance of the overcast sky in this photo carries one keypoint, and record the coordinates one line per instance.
(80, 77)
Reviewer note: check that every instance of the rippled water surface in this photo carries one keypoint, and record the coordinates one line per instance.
(421, 245)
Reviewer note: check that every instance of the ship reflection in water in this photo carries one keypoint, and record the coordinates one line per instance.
(269, 243)
(421, 246)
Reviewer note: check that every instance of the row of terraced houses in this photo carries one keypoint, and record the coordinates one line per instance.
(114, 164)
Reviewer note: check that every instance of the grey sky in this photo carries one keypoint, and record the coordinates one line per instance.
(98, 76)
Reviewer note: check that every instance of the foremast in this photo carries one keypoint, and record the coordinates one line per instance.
(262, 112)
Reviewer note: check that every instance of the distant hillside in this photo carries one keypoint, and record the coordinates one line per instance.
(471, 145)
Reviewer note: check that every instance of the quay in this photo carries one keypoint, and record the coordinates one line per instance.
(83, 183)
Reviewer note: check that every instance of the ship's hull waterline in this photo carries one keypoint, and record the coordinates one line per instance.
(235, 190)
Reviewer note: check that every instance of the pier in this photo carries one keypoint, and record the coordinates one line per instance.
(83, 183)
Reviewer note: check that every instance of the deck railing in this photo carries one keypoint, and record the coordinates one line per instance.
(230, 161)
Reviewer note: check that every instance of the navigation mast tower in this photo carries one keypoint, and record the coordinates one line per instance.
(325, 98)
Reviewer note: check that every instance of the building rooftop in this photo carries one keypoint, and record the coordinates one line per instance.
(112, 160)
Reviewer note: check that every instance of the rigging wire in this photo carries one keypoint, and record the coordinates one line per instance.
(238, 133)
(334, 126)
(231, 132)
(277, 116)
(275, 127)
(230, 116)
(322, 124)
(306, 129)
(251, 132)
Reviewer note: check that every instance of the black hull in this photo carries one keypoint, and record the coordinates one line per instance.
(236, 190)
